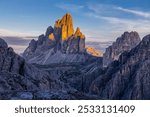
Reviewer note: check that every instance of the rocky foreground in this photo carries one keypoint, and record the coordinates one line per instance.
(60, 66)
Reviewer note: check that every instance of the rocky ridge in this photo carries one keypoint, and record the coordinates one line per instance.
(124, 43)
(20, 80)
(127, 78)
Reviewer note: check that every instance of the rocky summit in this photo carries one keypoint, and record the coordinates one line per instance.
(66, 26)
(124, 43)
(60, 42)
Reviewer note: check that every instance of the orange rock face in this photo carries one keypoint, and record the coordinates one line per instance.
(66, 24)
(94, 52)
(51, 37)
(78, 33)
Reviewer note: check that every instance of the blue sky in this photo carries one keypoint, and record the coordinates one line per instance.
(100, 20)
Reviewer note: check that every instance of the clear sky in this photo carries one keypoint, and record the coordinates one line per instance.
(99, 20)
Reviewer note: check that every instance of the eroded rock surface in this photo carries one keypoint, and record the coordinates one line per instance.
(124, 43)
(127, 78)
(20, 80)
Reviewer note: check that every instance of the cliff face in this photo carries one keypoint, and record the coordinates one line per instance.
(124, 43)
(15, 66)
(66, 26)
(127, 78)
(8, 60)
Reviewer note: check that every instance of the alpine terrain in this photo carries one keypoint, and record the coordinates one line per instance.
(60, 65)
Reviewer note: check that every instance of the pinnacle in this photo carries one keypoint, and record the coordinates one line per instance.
(79, 34)
(66, 24)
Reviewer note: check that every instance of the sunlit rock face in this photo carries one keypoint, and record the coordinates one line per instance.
(66, 26)
(51, 37)
(79, 34)
(124, 43)
(94, 52)
(67, 40)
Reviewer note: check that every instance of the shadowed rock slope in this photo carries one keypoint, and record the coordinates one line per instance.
(19, 80)
(127, 78)
(124, 43)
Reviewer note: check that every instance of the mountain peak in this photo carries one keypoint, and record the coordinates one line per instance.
(129, 35)
(125, 42)
(66, 24)
(78, 33)
(60, 38)
(3, 44)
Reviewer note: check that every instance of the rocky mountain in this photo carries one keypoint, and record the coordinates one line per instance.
(127, 78)
(60, 44)
(124, 43)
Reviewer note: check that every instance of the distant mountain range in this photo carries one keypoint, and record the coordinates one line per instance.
(101, 46)
(60, 64)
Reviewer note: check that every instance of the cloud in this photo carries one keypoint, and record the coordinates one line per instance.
(18, 49)
(118, 25)
(100, 8)
(19, 44)
(135, 12)
(16, 41)
(70, 7)
(5, 32)
(115, 19)
(108, 9)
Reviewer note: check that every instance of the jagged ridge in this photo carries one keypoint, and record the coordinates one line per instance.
(124, 43)
(127, 78)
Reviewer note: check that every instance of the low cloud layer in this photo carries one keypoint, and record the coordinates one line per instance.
(19, 44)
(16, 41)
